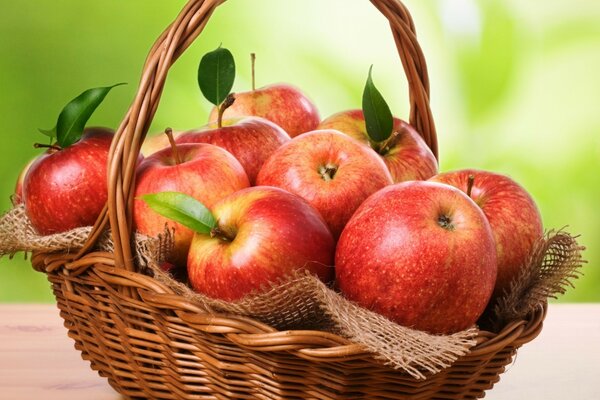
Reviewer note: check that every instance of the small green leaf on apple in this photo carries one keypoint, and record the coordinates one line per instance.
(216, 75)
(73, 117)
(378, 117)
(51, 133)
(182, 208)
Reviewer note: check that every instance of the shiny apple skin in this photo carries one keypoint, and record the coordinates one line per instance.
(274, 234)
(251, 140)
(295, 168)
(513, 215)
(283, 104)
(396, 259)
(67, 189)
(208, 173)
(409, 159)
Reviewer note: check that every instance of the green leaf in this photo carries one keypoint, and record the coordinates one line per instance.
(378, 117)
(51, 133)
(182, 208)
(72, 119)
(216, 75)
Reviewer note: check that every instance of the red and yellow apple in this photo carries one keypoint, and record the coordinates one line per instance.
(332, 171)
(263, 234)
(66, 188)
(513, 215)
(421, 254)
(250, 139)
(203, 171)
(406, 154)
(282, 104)
(18, 195)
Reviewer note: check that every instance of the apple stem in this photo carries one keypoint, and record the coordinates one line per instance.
(47, 146)
(228, 102)
(175, 151)
(253, 61)
(218, 233)
(470, 183)
(384, 147)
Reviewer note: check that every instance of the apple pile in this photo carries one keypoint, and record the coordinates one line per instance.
(267, 188)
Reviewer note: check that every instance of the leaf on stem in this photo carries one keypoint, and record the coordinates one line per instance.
(73, 117)
(182, 208)
(51, 133)
(378, 117)
(216, 74)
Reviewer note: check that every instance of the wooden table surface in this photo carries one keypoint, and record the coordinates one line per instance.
(38, 361)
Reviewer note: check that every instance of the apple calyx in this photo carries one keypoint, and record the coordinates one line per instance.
(174, 150)
(253, 62)
(228, 102)
(445, 222)
(470, 183)
(328, 172)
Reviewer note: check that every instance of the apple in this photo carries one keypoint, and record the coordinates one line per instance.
(263, 234)
(513, 215)
(421, 254)
(406, 154)
(250, 139)
(282, 104)
(206, 172)
(66, 188)
(332, 171)
(18, 195)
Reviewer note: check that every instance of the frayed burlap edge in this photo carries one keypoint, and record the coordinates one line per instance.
(554, 263)
(18, 235)
(304, 302)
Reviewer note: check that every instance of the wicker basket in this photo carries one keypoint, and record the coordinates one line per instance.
(152, 343)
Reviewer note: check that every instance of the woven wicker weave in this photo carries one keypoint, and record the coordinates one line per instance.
(151, 343)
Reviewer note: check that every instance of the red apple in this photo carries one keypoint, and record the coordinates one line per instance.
(263, 234)
(205, 172)
(420, 253)
(513, 215)
(406, 154)
(251, 140)
(18, 195)
(332, 171)
(66, 188)
(282, 104)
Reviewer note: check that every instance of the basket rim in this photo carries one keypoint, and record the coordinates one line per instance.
(246, 332)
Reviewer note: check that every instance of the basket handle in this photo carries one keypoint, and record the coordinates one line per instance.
(170, 45)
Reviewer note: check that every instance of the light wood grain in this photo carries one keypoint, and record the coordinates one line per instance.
(38, 361)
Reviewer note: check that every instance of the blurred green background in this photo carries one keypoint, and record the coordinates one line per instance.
(515, 85)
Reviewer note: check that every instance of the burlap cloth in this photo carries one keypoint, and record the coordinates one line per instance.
(304, 302)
